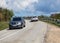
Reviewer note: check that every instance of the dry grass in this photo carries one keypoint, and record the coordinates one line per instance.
(3, 25)
(53, 35)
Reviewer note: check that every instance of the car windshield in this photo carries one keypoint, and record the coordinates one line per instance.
(16, 19)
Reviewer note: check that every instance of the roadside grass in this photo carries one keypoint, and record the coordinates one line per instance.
(3, 25)
(52, 22)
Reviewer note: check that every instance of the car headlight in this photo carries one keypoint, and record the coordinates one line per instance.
(19, 24)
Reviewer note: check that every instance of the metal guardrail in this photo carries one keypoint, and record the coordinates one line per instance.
(52, 20)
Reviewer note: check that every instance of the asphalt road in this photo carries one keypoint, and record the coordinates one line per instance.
(34, 32)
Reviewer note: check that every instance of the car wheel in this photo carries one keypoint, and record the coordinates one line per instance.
(21, 27)
(31, 21)
(10, 28)
(24, 25)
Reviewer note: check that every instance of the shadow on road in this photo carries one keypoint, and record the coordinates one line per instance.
(14, 29)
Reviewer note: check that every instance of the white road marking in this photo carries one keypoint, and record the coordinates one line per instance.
(7, 33)
(10, 35)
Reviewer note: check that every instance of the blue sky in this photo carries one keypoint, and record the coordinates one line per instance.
(31, 7)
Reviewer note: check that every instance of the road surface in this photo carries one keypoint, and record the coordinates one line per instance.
(34, 32)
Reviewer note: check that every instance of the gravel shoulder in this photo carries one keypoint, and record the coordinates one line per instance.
(53, 34)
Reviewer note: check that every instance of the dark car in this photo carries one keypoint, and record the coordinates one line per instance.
(17, 22)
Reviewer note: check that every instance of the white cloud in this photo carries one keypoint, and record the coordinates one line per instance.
(24, 4)
(18, 4)
(27, 2)
(3, 3)
(43, 5)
